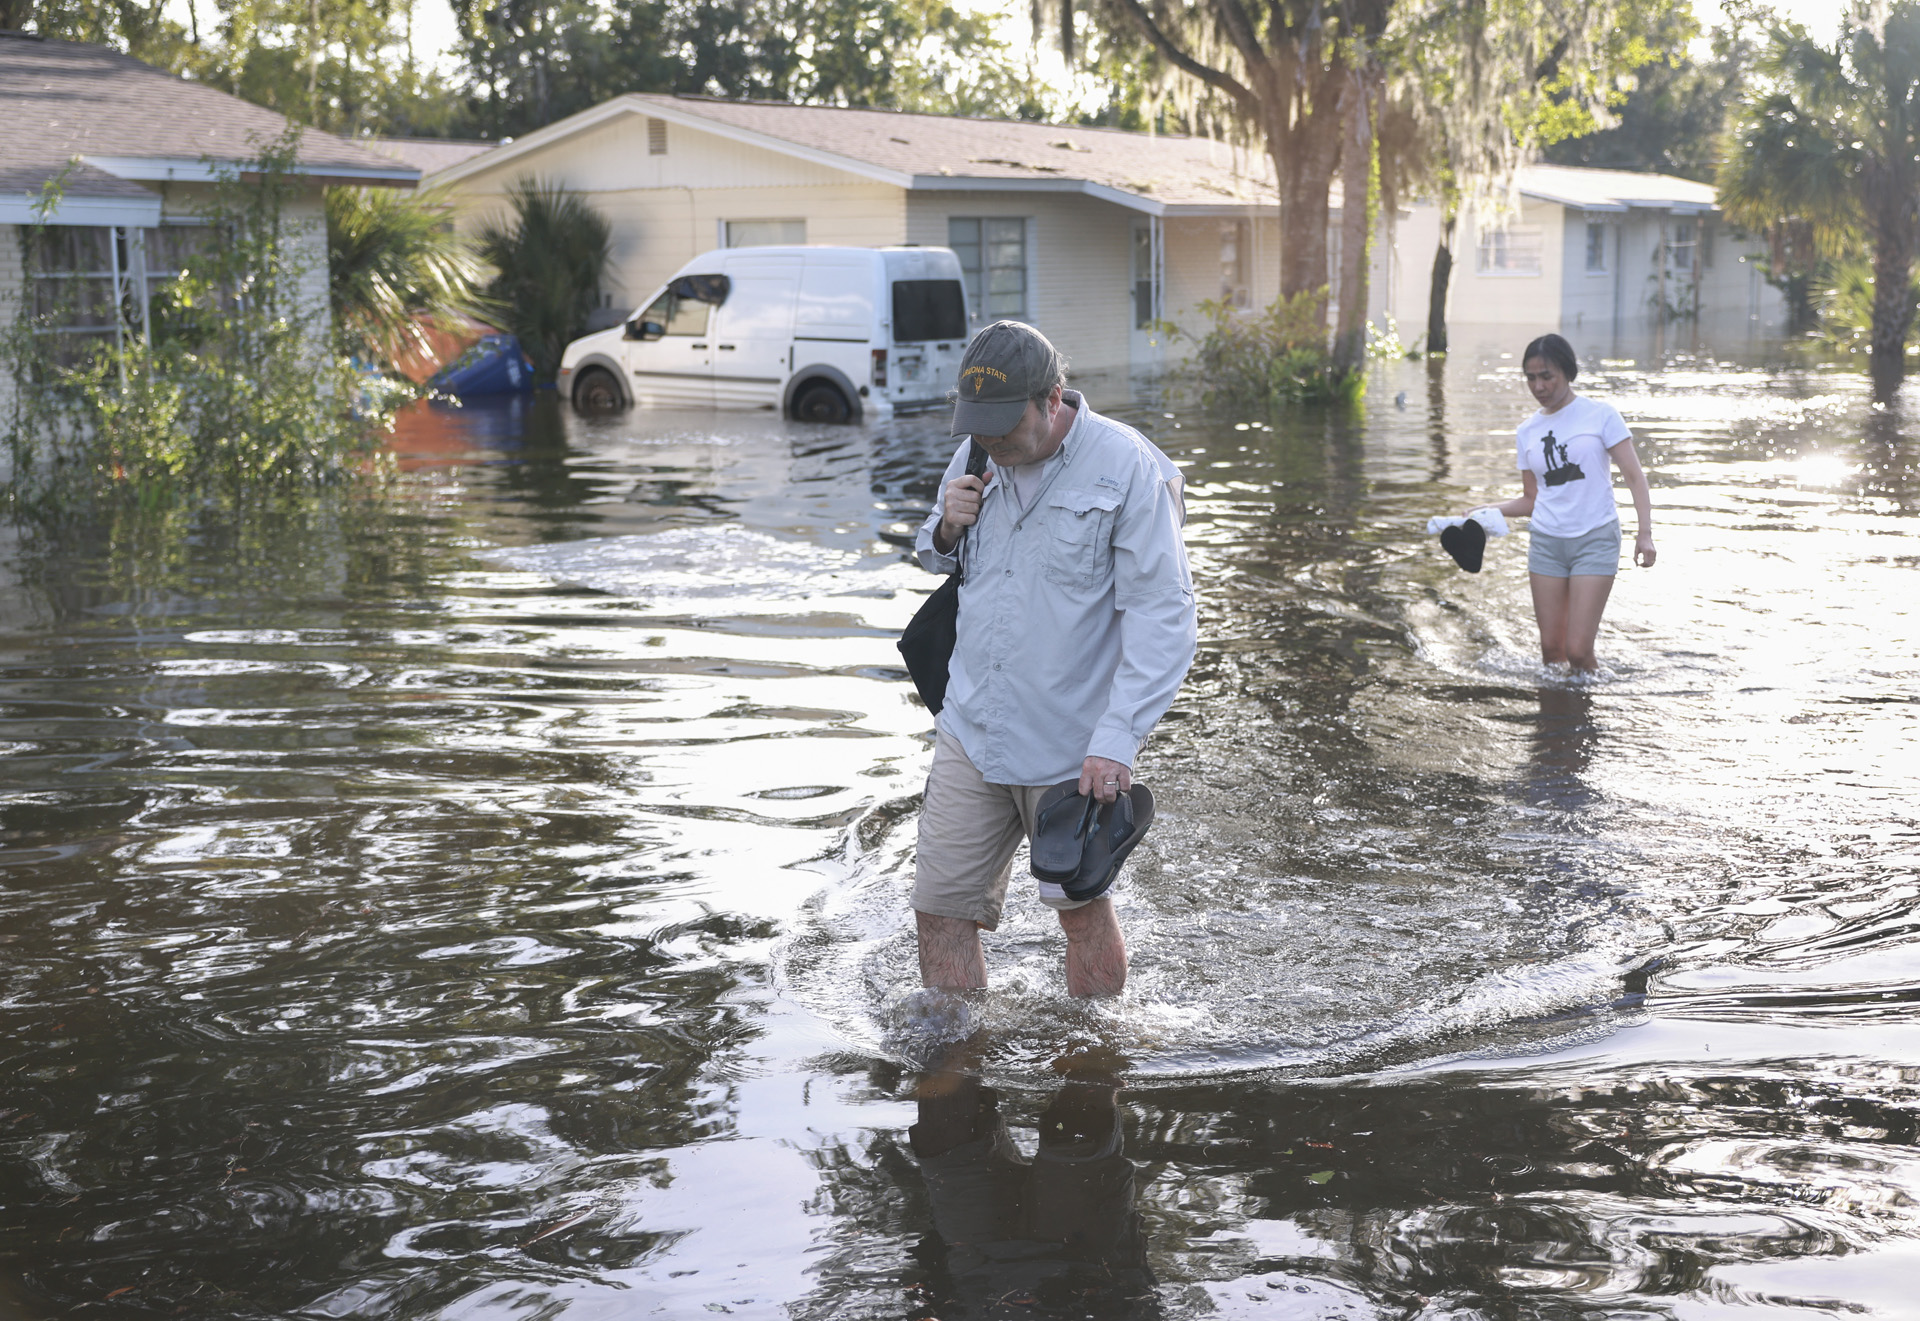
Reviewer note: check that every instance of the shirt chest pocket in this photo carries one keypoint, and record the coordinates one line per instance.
(1079, 534)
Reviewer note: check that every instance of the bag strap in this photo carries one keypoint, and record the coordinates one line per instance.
(976, 467)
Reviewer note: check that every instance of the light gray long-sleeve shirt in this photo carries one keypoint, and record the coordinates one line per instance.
(1076, 617)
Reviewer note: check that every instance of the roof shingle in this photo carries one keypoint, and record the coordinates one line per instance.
(62, 99)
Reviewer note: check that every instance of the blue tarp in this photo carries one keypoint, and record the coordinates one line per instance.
(496, 364)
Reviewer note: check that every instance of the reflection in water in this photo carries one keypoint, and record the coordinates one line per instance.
(1051, 1235)
(1563, 743)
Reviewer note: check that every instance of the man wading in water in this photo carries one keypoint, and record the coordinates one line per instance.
(1076, 627)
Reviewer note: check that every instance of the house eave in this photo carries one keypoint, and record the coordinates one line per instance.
(162, 169)
(24, 209)
(631, 104)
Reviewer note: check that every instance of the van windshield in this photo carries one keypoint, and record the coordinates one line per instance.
(928, 309)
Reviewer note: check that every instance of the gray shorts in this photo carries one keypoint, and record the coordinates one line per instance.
(969, 831)
(1591, 554)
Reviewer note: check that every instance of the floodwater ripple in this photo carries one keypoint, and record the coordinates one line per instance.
(491, 900)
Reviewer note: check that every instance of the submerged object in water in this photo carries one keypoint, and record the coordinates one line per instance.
(493, 364)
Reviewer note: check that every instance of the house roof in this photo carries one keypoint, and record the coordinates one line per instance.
(1613, 190)
(1155, 174)
(428, 154)
(129, 123)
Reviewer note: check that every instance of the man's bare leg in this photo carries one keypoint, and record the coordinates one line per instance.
(1096, 951)
(950, 953)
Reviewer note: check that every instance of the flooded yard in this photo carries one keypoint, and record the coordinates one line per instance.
(491, 901)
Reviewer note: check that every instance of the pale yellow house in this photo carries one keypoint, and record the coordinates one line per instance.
(1093, 235)
(1099, 236)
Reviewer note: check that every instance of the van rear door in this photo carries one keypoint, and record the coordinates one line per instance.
(754, 332)
(929, 323)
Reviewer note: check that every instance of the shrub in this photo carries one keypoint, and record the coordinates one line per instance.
(238, 392)
(395, 264)
(1269, 359)
(550, 258)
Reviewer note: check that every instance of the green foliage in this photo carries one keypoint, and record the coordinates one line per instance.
(1271, 359)
(1826, 159)
(237, 396)
(1843, 301)
(1676, 111)
(347, 66)
(394, 258)
(530, 62)
(549, 257)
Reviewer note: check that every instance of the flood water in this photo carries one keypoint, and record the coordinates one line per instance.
(490, 901)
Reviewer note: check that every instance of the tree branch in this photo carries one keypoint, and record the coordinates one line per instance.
(1184, 62)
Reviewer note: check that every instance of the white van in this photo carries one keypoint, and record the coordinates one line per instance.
(823, 334)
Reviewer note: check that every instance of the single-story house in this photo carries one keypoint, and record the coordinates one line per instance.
(1095, 235)
(1588, 252)
(133, 153)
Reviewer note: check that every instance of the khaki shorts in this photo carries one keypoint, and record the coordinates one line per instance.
(969, 830)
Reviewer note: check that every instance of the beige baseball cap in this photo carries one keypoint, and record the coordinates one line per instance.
(1008, 363)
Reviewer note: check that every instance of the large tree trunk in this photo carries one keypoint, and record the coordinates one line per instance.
(1893, 212)
(1892, 318)
(1306, 153)
(1437, 291)
(1356, 179)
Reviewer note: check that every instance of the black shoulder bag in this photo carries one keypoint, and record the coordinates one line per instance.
(928, 640)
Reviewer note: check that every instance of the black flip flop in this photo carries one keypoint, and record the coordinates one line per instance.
(1122, 824)
(1061, 824)
(1466, 542)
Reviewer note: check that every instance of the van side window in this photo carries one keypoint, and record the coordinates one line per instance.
(681, 316)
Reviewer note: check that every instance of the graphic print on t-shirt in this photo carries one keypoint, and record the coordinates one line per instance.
(1562, 470)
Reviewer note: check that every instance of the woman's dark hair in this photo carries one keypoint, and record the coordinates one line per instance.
(1556, 350)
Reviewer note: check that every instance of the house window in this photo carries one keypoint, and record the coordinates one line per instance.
(1680, 247)
(93, 283)
(993, 259)
(77, 274)
(656, 137)
(1596, 246)
(763, 233)
(1235, 261)
(1514, 250)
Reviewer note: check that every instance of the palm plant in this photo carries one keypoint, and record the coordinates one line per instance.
(550, 256)
(395, 265)
(1833, 150)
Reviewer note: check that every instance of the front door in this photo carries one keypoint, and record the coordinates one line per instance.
(675, 370)
(753, 340)
(1146, 344)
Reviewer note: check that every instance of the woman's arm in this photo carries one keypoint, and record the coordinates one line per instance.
(1627, 460)
(1520, 508)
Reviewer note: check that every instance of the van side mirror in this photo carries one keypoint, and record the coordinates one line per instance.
(645, 330)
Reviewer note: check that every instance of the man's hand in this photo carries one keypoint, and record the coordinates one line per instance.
(960, 511)
(1105, 780)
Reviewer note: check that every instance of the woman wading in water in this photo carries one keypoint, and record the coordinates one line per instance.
(1567, 487)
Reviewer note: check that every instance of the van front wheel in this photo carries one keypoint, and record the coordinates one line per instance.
(597, 392)
(821, 402)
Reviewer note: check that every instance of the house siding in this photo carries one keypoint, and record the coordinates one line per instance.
(665, 210)
(1527, 305)
(1078, 262)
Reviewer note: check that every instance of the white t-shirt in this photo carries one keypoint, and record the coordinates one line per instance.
(1567, 451)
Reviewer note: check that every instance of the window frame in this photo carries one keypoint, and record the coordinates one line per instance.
(978, 278)
(786, 240)
(1503, 239)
